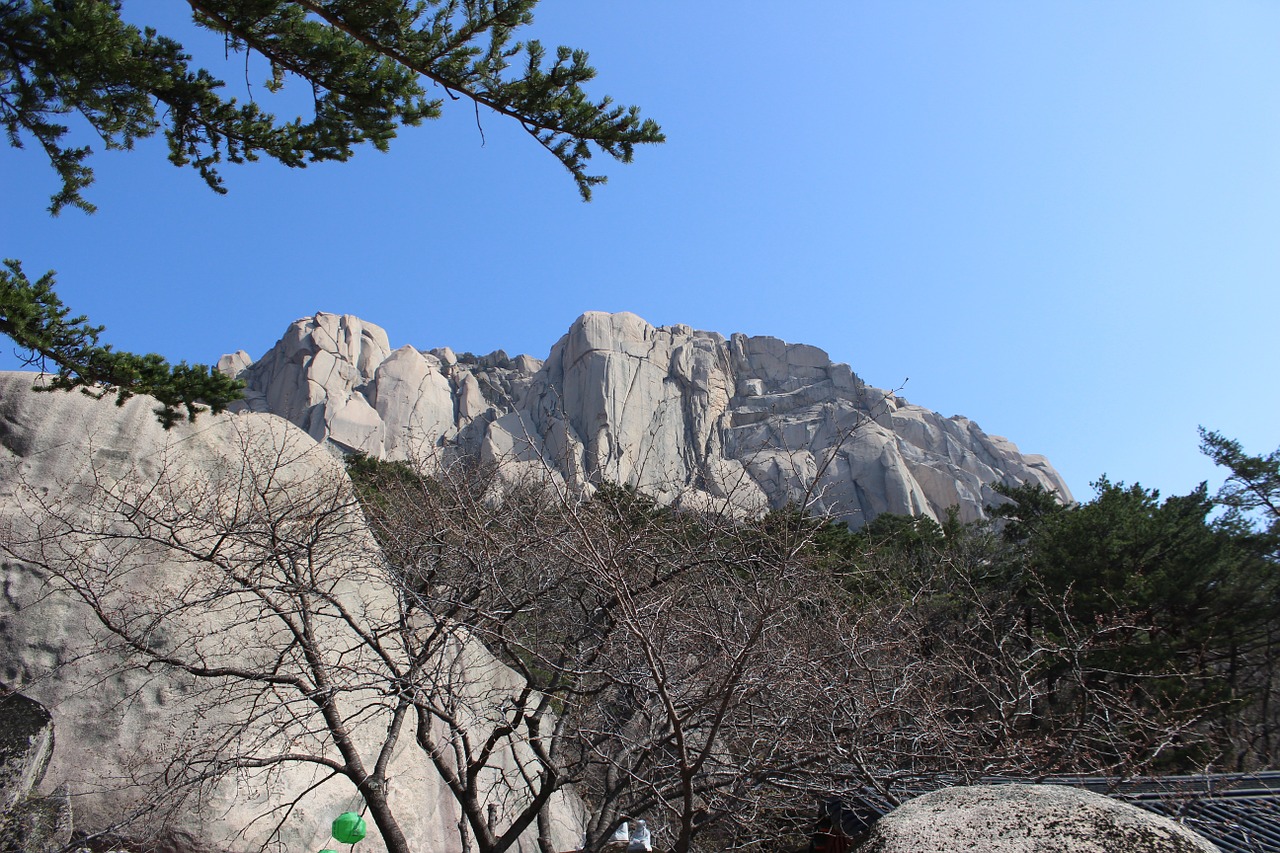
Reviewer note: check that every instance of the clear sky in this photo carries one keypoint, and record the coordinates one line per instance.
(1060, 219)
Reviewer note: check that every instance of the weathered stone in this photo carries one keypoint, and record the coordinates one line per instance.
(414, 403)
(526, 364)
(668, 410)
(471, 403)
(235, 362)
(1027, 819)
(120, 723)
(26, 745)
(37, 824)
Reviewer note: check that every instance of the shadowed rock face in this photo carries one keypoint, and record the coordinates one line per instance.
(26, 744)
(1027, 819)
(679, 413)
(28, 824)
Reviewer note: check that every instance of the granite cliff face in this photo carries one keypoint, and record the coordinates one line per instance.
(682, 414)
(99, 512)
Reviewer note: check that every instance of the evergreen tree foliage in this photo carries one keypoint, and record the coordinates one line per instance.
(1183, 593)
(368, 64)
(1253, 488)
(1131, 606)
(33, 316)
(1028, 505)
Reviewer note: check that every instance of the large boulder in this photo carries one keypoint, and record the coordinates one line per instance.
(679, 413)
(100, 498)
(38, 824)
(28, 824)
(1027, 819)
(26, 745)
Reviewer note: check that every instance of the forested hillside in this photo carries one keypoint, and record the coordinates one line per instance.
(484, 659)
(716, 675)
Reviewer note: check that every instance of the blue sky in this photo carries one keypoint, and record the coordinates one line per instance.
(1060, 219)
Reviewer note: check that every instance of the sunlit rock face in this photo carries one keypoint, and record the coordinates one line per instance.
(130, 728)
(750, 422)
(1027, 819)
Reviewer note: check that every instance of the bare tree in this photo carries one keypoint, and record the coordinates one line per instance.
(708, 672)
(666, 642)
(942, 676)
(256, 584)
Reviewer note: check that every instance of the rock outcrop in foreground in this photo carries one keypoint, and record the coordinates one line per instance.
(29, 823)
(679, 413)
(1027, 819)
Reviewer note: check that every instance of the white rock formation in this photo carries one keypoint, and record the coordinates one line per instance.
(1027, 819)
(65, 456)
(679, 413)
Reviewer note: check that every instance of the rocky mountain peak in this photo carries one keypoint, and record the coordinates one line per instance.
(680, 413)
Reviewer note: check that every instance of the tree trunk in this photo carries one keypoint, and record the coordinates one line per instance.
(384, 818)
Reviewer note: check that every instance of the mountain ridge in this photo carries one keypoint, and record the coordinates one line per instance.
(686, 415)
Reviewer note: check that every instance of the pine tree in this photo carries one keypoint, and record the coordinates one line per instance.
(369, 64)
(1253, 489)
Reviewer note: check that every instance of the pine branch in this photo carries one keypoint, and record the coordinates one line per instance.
(33, 316)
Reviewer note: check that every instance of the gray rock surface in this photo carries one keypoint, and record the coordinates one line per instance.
(682, 414)
(1027, 819)
(26, 745)
(120, 725)
(29, 824)
(38, 824)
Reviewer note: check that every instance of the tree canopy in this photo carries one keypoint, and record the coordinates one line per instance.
(1128, 632)
(1253, 489)
(371, 68)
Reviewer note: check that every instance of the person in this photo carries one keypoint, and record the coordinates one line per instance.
(641, 841)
